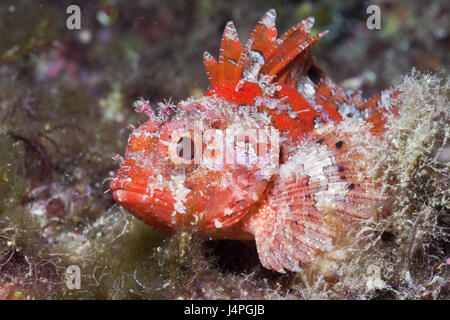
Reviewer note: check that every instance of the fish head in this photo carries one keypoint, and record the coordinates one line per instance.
(202, 164)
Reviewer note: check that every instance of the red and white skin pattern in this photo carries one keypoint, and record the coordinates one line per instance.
(320, 192)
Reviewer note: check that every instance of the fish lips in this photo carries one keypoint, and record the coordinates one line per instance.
(155, 209)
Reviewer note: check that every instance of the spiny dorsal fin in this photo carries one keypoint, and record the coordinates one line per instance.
(262, 53)
(288, 51)
(211, 67)
(230, 51)
(323, 191)
(262, 38)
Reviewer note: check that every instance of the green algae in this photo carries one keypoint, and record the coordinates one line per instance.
(11, 172)
(31, 26)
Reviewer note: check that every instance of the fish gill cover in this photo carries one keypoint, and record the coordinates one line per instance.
(66, 99)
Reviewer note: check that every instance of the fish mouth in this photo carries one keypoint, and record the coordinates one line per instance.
(155, 208)
(127, 185)
(139, 193)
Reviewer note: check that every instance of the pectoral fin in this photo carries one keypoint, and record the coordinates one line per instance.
(322, 195)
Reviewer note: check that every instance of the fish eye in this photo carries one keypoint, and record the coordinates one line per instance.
(185, 148)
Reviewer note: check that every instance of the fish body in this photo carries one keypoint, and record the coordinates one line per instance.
(268, 154)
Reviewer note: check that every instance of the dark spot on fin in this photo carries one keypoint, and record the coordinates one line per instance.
(320, 141)
(314, 74)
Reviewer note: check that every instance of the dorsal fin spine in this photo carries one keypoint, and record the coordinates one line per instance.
(279, 54)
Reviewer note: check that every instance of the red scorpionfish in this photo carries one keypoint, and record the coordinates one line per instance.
(268, 154)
